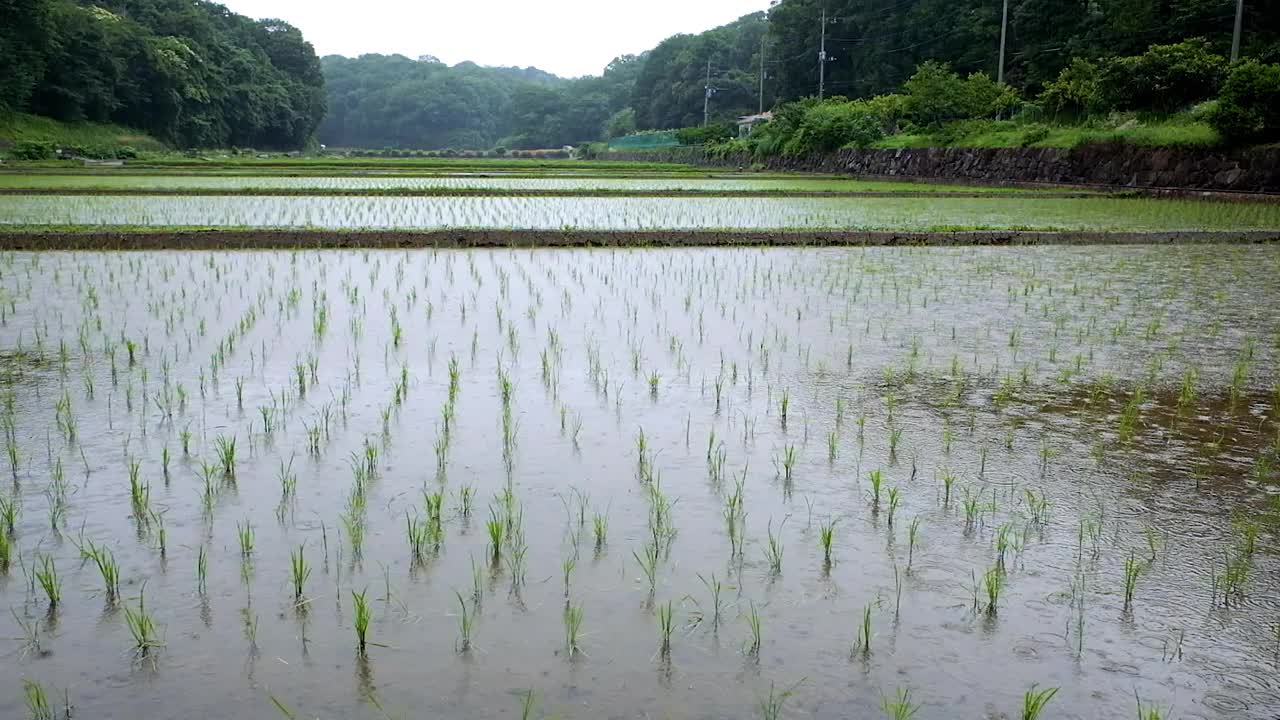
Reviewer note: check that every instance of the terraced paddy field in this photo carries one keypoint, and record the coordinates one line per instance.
(680, 482)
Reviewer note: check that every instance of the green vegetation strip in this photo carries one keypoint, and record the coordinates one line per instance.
(141, 238)
(924, 192)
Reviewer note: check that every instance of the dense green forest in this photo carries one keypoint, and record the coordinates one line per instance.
(393, 101)
(187, 71)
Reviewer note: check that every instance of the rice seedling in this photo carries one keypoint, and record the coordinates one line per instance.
(948, 479)
(893, 504)
(1034, 702)
(648, 563)
(877, 480)
(466, 624)
(993, 585)
(1149, 711)
(754, 625)
(566, 569)
(244, 534)
(38, 705)
(666, 623)
(105, 561)
(913, 536)
(784, 404)
(772, 704)
(1132, 570)
(47, 575)
(527, 701)
(202, 570)
(9, 507)
(714, 586)
(572, 628)
(826, 533)
(773, 548)
(496, 528)
(299, 571)
(142, 626)
(832, 446)
(353, 526)
(600, 529)
(6, 552)
(863, 642)
(362, 617)
(225, 448)
(900, 707)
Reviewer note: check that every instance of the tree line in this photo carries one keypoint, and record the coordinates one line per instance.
(189, 72)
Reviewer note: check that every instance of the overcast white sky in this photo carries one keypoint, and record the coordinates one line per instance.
(566, 37)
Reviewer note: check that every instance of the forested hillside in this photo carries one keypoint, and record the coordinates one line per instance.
(187, 71)
(393, 101)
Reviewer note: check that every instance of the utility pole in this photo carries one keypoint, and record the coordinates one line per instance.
(706, 97)
(822, 56)
(1235, 36)
(1004, 28)
(761, 104)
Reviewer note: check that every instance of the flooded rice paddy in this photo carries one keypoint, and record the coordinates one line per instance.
(640, 213)
(478, 182)
(642, 483)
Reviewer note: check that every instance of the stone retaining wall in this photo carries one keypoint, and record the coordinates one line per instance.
(1117, 165)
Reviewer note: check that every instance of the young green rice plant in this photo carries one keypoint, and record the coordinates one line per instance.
(648, 563)
(863, 643)
(666, 623)
(202, 570)
(47, 575)
(833, 441)
(877, 481)
(1132, 569)
(466, 623)
(1149, 711)
(466, 496)
(105, 561)
(38, 705)
(971, 507)
(139, 492)
(754, 625)
(362, 617)
(573, 615)
(772, 704)
(496, 528)
(6, 552)
(714, 586)
(893, 504)
(419, 537)
(784, 404)
(993, 585)
(244, 533)
(353, 525)
(895, 437)
(566, 569)
(900, 707)
(913, 536)
(299, 571)
(527, 702)
(9, 507)
(773, 548)
(948, 479)
(142, 626)
(600, 529)
(826, 534)
(788, 462)
(225, 449)
(1033, 702)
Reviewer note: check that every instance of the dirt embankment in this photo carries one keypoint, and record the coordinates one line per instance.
(317, 239)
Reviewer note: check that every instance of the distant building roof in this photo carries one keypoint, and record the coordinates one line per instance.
(752, 119)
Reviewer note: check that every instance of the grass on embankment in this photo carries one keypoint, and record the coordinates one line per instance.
(1173, 132)
(21, 127)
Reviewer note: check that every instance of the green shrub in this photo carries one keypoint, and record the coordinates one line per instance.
(1076, 92)
(1248, 108)
(705, 134)
(836, 123)
(1164, 79)
(935, 94)
(32, 150)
